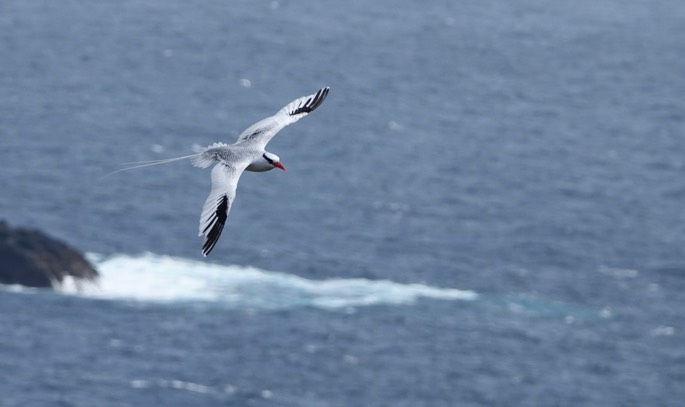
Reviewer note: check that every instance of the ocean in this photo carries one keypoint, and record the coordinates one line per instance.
(486, 211)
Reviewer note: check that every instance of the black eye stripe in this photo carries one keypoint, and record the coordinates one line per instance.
(268, 159)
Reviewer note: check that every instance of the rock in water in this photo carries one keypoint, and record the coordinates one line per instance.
(33, 259)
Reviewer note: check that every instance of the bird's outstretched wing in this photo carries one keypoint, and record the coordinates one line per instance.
(218, 204)
(261, 132)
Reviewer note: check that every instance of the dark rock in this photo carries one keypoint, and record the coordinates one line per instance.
(31, 258)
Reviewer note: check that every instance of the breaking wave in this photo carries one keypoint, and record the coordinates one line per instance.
(164, 279)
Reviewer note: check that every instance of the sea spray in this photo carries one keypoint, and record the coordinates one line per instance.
(164, 279)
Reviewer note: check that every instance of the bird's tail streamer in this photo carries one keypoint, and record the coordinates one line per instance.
(141, 164)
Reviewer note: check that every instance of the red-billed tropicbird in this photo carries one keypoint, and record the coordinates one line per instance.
(246, 154)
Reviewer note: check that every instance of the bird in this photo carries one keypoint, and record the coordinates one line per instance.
(231, 160)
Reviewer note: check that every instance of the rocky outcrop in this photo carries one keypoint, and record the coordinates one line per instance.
(33, 259)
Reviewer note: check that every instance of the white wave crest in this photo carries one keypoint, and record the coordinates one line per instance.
(154, 278)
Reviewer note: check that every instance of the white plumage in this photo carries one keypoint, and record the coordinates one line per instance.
(247, 153)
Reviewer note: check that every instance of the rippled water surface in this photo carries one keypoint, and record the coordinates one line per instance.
(486, 211)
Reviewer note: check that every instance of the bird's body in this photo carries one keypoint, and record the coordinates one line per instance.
(246, 154)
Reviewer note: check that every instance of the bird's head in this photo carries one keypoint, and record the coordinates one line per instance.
(273, 160)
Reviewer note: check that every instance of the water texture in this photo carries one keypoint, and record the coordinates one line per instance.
(486, 211)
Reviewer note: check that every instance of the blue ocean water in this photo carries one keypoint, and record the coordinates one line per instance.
(486, 211)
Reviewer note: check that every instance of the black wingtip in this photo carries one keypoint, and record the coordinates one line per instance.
(313, 102)
(320, 97)
(216, 227)
(212, 238)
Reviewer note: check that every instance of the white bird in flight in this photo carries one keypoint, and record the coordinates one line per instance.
(246, 154)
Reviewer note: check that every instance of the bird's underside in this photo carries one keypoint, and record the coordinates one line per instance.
(248, 151)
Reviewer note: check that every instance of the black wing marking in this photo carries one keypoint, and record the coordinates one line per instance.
(262, 131)
(215, 225)
(218, 204)
(312, 103)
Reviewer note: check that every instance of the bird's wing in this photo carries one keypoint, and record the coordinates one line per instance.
(215, 210)
(261, 132)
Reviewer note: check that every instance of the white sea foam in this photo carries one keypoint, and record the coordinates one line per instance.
(154, 278)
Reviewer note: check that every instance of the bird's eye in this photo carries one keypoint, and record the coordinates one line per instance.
(268, 159)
